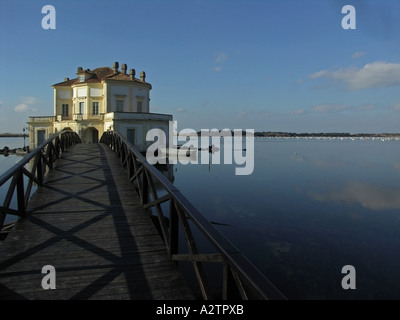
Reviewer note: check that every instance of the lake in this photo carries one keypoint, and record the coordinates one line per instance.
(6, 162)
(310, 207)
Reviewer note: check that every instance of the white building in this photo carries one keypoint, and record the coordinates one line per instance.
(99, 100)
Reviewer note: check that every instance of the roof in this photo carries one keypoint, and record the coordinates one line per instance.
(100, 74)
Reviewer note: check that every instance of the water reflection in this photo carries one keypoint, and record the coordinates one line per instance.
(374, 197)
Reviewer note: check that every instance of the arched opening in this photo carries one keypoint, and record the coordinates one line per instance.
(91, 135)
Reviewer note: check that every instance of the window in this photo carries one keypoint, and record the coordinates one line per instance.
(95, 108)
(130, 135)
(65, 111)
(82, 78)
(81, 107)
(139, 106)
(120, 105)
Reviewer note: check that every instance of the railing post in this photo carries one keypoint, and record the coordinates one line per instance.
(50, 155)
(173, 229)
(145, 187)
(113, 143)
(57, 147)
(62, 143)
(123, 154)
(20, 194)
(227, 282)
(39, 168)
(197, 265)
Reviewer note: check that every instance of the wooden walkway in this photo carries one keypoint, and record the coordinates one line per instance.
(88, 223)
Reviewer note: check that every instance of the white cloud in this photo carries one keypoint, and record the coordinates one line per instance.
(25, 105)
(22, 107)
(29, 100)
(396, 106)
(328, 107)
(180, 109)
(299, 111)
(373, 75)
(358, 54)
(221, 57)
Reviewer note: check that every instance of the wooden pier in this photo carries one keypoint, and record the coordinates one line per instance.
(88, 222)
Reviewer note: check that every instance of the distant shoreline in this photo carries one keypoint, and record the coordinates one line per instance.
(275, 134)
(279, 134)
(13, 135)
(327, 134)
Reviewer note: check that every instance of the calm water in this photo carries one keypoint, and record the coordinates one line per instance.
(309, 208)
(6, 162)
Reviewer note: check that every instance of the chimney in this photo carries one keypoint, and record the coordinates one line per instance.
(143, 76)
(132, 74)
(66, 79)
(116, 65)
(79, 69)
(123, 68)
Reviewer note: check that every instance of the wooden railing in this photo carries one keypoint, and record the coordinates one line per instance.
(43, 158)
(240, 278)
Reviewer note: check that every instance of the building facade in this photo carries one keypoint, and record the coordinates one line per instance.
(97, 101)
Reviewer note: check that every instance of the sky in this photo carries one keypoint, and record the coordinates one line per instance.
(266, 65)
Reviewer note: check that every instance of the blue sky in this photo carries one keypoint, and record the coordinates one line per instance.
(262, 65)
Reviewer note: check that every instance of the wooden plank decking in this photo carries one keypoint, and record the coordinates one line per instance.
(88, 223)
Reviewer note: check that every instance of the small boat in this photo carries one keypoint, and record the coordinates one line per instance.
(19, 151)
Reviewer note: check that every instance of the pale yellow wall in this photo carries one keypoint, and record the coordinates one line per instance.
(130, 93)
(88, 99)
(63, 95)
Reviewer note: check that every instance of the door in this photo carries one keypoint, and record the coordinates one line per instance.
(41, 137)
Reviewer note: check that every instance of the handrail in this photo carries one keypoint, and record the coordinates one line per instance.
(43, 156)
(240, 278)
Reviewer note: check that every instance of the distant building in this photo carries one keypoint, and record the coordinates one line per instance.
(99, 100)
